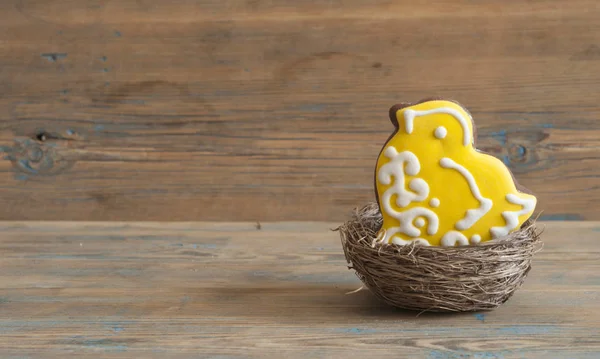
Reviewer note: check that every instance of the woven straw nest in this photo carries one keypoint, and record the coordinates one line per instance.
(438, 279)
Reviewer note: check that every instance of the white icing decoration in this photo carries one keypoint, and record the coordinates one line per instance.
(419, 222)
(402, 242)
(401, 163)
(391, 233)
(418, 185)
(512, 217)
(440, 132)
(485, 204)
(451, 238)
(475, 239)
(434, 202)
(409, 118)
(407, 218)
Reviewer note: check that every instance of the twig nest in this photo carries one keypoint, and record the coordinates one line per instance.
(439, 279)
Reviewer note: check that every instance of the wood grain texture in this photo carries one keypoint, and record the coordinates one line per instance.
(276, 110)
(178, 290)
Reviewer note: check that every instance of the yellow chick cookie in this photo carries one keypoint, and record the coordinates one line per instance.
(435, 188)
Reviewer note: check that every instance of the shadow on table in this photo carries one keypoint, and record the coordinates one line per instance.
(307, 301)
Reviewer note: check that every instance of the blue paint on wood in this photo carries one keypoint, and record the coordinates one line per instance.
(547, 125)
(54, 56)
(480, 317)
(591, 280)
(116, 348)
(21, 177)
(442, 354)
(506, 160)
(464, 354)
(205, 245)
(108, 345)
(64, 92)
(103, 58)
(499, 136)
(98, 127)
(561, 217)
(557, 278)
(118, 33)
(117, 327)
(527, 330)
(490, 355)
(587, 355)
(105, 70)
(26, 165)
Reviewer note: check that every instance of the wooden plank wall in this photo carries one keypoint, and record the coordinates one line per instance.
(266, 110)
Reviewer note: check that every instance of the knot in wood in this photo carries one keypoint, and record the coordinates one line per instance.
(38, 158)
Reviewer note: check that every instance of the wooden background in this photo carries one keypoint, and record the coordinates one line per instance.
(261, 110)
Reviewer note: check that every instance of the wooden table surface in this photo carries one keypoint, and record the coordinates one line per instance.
(276, 290)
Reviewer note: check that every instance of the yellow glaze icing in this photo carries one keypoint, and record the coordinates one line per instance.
(434, 187)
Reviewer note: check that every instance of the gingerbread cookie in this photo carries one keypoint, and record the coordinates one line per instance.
(435, 188)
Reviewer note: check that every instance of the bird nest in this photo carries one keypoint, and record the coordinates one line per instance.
(439, 279)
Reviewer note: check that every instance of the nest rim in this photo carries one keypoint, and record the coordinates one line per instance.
(438, 279)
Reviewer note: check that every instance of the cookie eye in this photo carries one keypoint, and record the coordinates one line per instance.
(440, 132)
